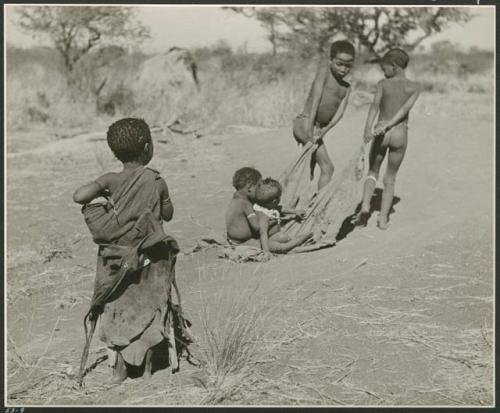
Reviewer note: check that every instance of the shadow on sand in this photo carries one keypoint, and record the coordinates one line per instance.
(348, 224)
(159, 361)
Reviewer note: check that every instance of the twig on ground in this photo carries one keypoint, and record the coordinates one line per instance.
(288, 341)
(450, 398)
(343, 377)
(484, 332)
(309, 295)
(47, 346)
(40, 275)
(363, 262)
(149, 397)
(18, 355)
(367, 392)
(305, 333)
(197, 222)
(457, 359)
(327, 398)
(87, 268)
(416, 340)
(295, 399)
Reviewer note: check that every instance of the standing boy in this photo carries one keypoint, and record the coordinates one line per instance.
(131, 296)
(394, 98)
(325, 105)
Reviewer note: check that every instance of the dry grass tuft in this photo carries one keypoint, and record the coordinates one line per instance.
(55, 246)
(230, 344)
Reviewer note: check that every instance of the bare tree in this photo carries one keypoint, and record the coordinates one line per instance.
(375, 29)
(75, 30)
(306, 30)
(269, 22)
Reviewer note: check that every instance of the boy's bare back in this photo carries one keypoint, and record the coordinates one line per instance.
(241, 221)
(395, 92)
(394, 98)
(237, 224)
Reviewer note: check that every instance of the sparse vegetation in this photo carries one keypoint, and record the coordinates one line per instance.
(75, 31)
(231, 332)
(401, 320)
(235, 88)
(374, 29)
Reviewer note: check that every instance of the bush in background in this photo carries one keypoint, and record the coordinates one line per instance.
(235, 88)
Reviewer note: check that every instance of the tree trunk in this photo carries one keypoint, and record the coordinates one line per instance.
(272, 38)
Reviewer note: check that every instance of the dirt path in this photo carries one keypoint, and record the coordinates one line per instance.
(396, 317)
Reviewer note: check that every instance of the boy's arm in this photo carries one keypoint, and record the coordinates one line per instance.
(314, 97)
(264, 232)
(86, 193)
(167, 208)
(297, 212)
(372, 113)
(251, 217)
(403, 111)
(338, 115)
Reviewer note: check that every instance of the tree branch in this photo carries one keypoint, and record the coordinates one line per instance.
(428, 31)
(378, 13)
(248, 12)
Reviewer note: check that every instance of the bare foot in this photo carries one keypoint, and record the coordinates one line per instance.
(111, 357)
(362, 218)
(120, 370)
(266, 256)
(382, 222)
(147, 371)
(118, 379)
(148, 364)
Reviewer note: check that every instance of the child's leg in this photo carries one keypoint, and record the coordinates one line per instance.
(377, 155)
(279, 236)
(148, 364)
(120, 370)
(395, 158)
(281, 243)
(274, 227)
(325, 164)
(111, 357)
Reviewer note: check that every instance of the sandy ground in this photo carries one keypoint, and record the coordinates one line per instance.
(401, 317)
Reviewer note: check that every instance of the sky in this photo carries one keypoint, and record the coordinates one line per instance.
(198, 26)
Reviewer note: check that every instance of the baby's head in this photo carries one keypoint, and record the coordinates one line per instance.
(393, 61)
(341, 57)
(268, 193)
(130, 140)
(247, 179)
